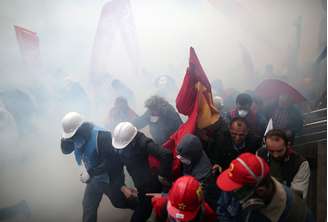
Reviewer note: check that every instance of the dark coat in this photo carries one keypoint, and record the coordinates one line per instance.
(251, 145)
(135, 158)
(201, 168)
(169, 121)
(217, 143)
(190, 147)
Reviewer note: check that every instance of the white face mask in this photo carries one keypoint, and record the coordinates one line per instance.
(154, 119)
(184, 160)
(242, 113)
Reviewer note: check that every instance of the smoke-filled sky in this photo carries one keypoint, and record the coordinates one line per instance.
(33, 168)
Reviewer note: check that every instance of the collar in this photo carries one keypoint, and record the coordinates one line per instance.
(277, 205)
(240, 147)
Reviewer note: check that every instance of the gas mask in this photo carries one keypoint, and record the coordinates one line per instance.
(247, 198)
(242, 113)
(154, 119)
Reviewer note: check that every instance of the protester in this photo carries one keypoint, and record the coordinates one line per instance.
(161, 118)
(166, 87)
(134, 148)
(285, 115)
(184, 202)
(217, 144)
(242, 140)
(101, 169)
(72, 96)
(195, 163)
(20, 208)
(121, 112)
(219, 105)
(21, 105)
(120, 89)
(287, 166)
(262, 197)
(255, 121)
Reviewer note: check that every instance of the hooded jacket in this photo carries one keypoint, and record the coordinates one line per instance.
(200, 167)
(191, 148)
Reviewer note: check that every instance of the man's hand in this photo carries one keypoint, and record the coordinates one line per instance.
(84, 176)
(129, 192)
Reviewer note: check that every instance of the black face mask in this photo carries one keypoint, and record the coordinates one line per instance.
(68, 145)
(247, 198)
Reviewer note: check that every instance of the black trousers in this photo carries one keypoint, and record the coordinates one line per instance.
(92, 197)
(144, 208)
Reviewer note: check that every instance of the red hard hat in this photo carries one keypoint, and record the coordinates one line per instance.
(185, 199)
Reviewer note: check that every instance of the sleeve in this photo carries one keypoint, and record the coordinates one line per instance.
(175, 120)
(224, 204)
(142, 121)
(301, 180)
(163, 155)
(109, 161)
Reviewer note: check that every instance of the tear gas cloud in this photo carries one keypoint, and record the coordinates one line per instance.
(32, 165)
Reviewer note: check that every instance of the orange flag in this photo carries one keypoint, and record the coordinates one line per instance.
(195, 101)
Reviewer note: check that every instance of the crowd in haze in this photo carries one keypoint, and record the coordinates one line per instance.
(241, 167)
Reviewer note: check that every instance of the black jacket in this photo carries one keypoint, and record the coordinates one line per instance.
(251, 145)
(191, 148)
(135, 158)
(109, 160)
(217, 144)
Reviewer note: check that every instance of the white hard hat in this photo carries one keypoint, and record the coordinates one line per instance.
(123, 134)
(70, 123)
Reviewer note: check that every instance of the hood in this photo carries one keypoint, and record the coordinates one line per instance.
(190, 147)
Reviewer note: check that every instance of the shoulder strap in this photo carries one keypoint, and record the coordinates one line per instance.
(284, 215)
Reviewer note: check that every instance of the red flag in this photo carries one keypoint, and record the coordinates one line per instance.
(28, 42)
(194, 100)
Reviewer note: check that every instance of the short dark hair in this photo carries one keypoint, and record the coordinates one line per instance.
(238, 119)
(156, 102)
(278, 133)
(244, 99)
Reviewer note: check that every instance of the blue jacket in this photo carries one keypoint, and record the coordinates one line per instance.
(89, 155)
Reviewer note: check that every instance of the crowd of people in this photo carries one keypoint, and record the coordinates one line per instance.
(242, 167)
